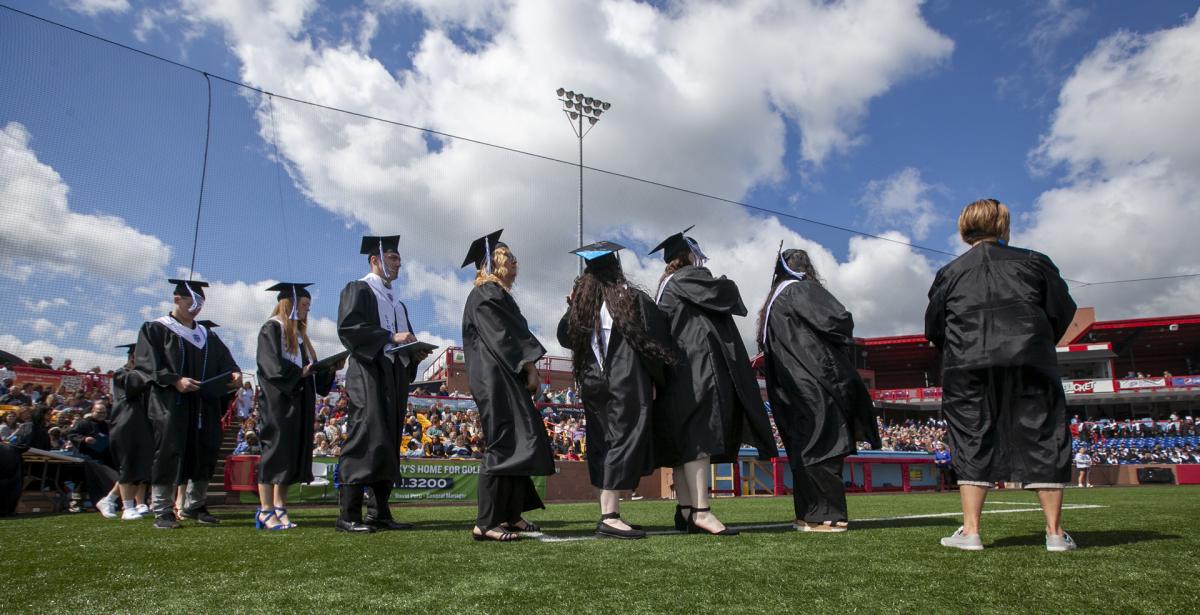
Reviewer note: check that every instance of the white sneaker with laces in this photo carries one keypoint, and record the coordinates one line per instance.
(1059, 544)
(108, 508)
(131, 514)
(960, 540)
(143, 510)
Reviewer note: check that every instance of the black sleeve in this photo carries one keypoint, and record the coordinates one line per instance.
(698, 287)
(358, 323)
(827, 316)
(564, 326)
(272, 366)
(505, 333)
(935, 313)
(150, 357)
(1056, 298)
(658, 329)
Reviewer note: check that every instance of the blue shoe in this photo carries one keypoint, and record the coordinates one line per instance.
(279, 514)
(262, 517)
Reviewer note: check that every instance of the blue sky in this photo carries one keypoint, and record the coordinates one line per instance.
(889, 124)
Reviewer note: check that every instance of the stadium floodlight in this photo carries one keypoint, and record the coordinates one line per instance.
(578, 106)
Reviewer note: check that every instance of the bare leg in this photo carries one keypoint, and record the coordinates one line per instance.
(698, 479)
(265, 501)
(128, 491)
(1052, 507)
(972, 497)
(280, 497)
(683, 495)
(610, 503)
(140, 492)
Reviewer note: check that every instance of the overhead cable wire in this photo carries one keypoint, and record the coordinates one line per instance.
(447, 135)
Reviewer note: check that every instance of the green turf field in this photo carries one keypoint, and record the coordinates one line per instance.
(1139, 553)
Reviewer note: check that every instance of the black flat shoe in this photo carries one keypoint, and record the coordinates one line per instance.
(696, 529)
(166, 522)
(387, 524)
(503, 536)
(681, 522)
(353, 527)
(605, 530)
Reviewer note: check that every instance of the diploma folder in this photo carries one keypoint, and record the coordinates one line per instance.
(217, 387)
(327, 363)
(412, 347)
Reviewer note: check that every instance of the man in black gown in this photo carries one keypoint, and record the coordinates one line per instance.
(371, 322)
(174, 357)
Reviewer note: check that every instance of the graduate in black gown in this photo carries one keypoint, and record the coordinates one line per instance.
(132, 438)
(290, 382)
(996, 313)
(501, 356)
(620, 343)
(372, 320)
(712, 403)
(175, 357)
(821, 406)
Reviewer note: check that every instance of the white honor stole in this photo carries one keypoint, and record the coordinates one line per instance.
(605, 329)
(767, 315)
(393, 315)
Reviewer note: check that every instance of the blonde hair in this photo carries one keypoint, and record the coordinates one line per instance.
(982, 220)
(500, 257)
(293, 330)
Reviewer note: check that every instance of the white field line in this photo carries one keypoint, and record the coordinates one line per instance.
(543, 537)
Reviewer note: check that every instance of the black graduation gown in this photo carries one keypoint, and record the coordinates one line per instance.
(618, 401)
(996, 313)
(712, 403)
(132, 435)
(377, 389)
(820, 403)
(183, 422)
(497, 343)
(286, 427)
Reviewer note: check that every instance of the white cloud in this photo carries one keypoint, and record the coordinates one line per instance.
(901, 200)
(702, 93)
(1125, 132)
(35, 201)
(42, 304)
(111, 332)
(93, 8)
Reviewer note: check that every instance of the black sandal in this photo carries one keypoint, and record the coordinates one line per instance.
(696, 529)
(529, 527)
(605, 530)
(505, 535)
(681, 521)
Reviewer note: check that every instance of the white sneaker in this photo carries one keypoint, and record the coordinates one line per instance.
(108, 508)
(1060, 543)
(959, 540)
(143, 510)
(131, 514)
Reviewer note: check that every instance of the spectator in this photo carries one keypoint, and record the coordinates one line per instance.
(1083, 464)
(249, 446)
(9, 427)
(19, 397)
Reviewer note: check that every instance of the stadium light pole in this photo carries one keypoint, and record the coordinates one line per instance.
(578, 106)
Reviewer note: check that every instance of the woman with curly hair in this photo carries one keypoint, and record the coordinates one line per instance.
(820, 403)
(501, 356)
(620, 343)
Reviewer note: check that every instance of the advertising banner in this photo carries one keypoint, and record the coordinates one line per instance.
(1142, 383)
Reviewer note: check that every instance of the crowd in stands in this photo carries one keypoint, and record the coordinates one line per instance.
(1175, 440)
(910, 435)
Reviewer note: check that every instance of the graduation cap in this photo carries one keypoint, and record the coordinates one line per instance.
(293, 291)
(480, 252)
(600, 254)
(679, 243)
(782, 269)
(190, 288)
(207, 324)
(378, 244)
(128, 347)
